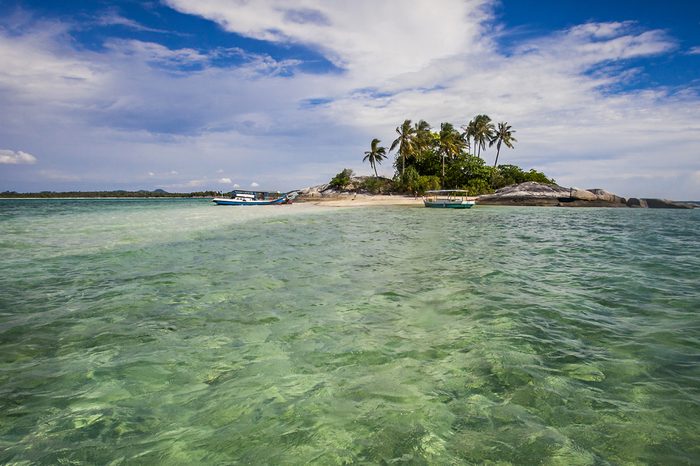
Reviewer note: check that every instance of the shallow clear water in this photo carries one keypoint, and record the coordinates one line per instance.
(174, 331)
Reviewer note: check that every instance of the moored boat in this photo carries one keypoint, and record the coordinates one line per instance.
(251, 198)
(448, 199)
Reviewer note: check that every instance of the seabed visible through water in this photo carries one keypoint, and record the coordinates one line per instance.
(176, 332)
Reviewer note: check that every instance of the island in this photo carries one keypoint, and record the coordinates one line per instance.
(427, 160)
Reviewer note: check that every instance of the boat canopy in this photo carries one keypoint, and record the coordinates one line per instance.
(447, 191)
(242, 193)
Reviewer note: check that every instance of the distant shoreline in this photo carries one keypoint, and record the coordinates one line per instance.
(524, 194)
(116, 194)
(106, 197)
(29, 196)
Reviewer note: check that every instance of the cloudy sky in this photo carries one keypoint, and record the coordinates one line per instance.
(186, 95)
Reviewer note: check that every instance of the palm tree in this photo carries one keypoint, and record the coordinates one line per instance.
(375, 155)
(422, 140)
(503, 135)
(468, 133)
(482, 132)
(405, 141)
(423, 137)
(449, 144)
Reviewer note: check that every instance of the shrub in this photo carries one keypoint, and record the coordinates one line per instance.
(341, 180)
(477, 186)
(427, 183)
(376, 185)
(408, 182)
(507, 175)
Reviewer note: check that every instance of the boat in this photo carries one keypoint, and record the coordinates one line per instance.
(448, 199)
(251, 198)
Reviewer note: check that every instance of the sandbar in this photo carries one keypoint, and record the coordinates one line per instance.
(362, 200)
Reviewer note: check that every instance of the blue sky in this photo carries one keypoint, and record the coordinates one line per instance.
(186, 95)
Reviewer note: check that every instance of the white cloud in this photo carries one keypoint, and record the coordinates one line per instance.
(694, 50)
(254, 184)
(151, 174)
(564, 93)
(411, 34)
(155, 53)
(113, 18)
(225, 180)
(12, 157)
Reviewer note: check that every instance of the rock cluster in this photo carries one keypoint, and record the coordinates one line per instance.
(314, 191)
(325, 191)
(539, 194)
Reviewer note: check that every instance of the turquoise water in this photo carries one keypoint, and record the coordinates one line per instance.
(177, 332)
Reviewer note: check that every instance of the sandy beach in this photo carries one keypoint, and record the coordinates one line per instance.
(363, 200)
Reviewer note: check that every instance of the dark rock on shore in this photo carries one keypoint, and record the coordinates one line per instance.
(529, 194)
(539, 194)
(634, 202)
(666, 204)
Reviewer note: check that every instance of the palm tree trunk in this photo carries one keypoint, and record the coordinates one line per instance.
(498, 150)
(443, 169)
(375, 170)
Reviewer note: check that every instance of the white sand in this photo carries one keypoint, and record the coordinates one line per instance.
(363, 200)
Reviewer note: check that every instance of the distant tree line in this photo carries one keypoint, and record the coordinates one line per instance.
(97, 194)
(447, 159)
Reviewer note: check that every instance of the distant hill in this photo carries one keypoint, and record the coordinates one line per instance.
(106, 194)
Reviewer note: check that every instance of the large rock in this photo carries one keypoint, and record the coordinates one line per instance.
(529, 193)
(666, 204)
(313, 191)
(582, 195)
(634, 202)
(539, 194)
(603, 195)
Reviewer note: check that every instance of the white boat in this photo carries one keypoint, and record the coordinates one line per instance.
(251, 198)
(449, 199)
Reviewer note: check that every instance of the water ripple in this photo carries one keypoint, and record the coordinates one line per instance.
(301, 334)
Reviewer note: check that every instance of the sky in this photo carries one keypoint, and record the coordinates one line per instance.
(189, 95)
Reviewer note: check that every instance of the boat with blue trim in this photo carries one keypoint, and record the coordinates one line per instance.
(251, 198)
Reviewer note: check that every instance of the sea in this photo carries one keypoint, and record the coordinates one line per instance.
(170, 331)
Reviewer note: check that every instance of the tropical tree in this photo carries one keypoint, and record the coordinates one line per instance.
(503, 135)
(482, 132)
(423, 138)
(375, 155)
(468, 133)
(405, 142)
(342, 179)
(449, 143)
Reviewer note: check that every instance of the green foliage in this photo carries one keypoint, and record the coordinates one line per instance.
(426, 159)
(412, 182)
(503, 135)
(426, 183)
(468, 170)
(376, 185)
(409, 180)
(405, 142)
(342, 179)
(478, 186)
(482, 131)
(506, 175)
(375, 155)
